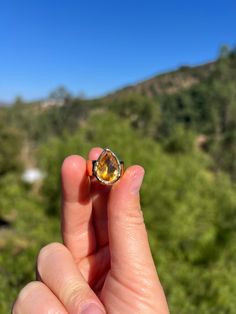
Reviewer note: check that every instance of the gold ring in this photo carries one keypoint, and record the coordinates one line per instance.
(107, 169)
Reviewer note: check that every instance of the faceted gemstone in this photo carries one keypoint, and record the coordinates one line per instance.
(107, 167)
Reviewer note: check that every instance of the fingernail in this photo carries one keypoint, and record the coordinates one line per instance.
(91, 308)
(137, 180)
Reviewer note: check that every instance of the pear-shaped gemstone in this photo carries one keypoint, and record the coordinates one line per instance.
(107, 167)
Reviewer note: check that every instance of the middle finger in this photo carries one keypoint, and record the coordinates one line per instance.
(100, 195)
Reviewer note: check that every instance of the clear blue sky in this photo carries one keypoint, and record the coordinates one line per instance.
(97, 46)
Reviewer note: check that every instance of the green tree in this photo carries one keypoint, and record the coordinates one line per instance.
(142, 112)
(11, 144)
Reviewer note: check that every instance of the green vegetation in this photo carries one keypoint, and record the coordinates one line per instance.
(183, 134)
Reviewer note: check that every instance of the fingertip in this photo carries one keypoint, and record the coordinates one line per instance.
(132, 174)
(94, 153)
(75, 183)
(136, 179)
(73, 164)
(125, 193)
(135, 170)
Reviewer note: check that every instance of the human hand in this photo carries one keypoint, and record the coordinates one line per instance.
(105, 264)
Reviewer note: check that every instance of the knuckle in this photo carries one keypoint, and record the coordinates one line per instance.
(135, 217)
(74, 291)
(130, 217)
(24, 295)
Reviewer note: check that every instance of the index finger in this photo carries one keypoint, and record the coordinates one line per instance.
(76, 210)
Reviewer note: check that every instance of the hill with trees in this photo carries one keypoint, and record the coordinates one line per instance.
(181, 126)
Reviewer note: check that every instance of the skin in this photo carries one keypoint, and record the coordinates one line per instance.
(105, 264)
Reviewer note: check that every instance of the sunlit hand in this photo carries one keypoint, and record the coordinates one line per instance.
(105, 264)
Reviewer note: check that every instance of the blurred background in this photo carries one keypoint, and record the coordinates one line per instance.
(156, 83)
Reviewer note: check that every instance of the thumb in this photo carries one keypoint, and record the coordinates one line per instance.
(128, 239)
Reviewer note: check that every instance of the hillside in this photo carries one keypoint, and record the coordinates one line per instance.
(188, 195)
(169, 82)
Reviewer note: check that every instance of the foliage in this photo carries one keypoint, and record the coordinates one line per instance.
(27, 229)
(188, 210)
(10, 143)
(208, 107)
(142, 112)
(188, 195)
(180, 141)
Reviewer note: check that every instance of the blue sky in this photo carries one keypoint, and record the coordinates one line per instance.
(98, 46)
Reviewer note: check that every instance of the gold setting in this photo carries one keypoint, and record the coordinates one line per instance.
(107, 168)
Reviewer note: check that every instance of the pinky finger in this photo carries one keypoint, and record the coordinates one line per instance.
(37, 298)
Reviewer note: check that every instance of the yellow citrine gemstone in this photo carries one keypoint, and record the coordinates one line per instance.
(107, 168)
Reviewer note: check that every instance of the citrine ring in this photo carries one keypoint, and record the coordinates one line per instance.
(107, 169)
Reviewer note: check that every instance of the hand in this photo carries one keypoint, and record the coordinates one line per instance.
(105, 264)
